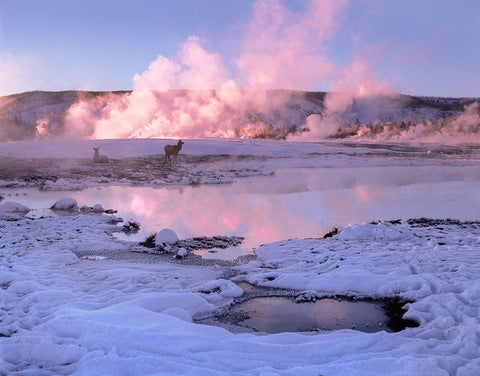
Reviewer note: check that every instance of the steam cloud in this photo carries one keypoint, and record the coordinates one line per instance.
(457, 129)
(354, 83)
(194, 95)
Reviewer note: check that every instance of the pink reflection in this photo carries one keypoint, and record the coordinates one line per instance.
(211, 211)
(140, 204)
(367, 194)
(294, 203)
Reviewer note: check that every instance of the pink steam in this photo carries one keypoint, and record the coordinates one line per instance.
(193, 94)
(286, 50)
(355, 82)
(196, 69)
(457, 129)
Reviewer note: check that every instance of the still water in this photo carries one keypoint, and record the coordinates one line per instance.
(282, 314)
(293, 203)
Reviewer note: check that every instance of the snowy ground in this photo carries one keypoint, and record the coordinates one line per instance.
(68, 165)
(68, 307)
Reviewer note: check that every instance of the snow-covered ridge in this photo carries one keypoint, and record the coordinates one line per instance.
(35, 115)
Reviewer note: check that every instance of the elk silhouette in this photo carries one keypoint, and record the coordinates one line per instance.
(99, 158)
(171, 152)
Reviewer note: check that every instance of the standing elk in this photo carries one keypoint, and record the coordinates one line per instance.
(171, 152)
(98, 158)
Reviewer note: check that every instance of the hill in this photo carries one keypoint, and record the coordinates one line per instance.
(277, 114)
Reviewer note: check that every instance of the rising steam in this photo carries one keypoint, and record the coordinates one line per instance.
(193, 94)
(462, 128)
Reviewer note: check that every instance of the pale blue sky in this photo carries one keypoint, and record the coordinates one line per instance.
(429, 47)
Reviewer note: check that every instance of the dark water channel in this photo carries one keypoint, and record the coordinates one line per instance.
(282, 314)
(276, 311)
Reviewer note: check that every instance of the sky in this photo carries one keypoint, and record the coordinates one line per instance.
(418, 47)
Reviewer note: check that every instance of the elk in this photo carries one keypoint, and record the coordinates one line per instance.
(171, 152)
(98, 158)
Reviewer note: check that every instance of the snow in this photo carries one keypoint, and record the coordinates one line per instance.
(165, 236)
(74, 299)
(182, 252)
(66, 203)
(62, 184)
(12, 210)
(98, 208)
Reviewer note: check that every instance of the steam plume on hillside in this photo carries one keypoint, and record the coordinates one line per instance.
(455, 129)
(193, 94)
(354, 84)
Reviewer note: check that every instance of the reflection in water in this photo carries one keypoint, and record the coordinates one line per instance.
(230, 253)
(292, 203)
(282, 314)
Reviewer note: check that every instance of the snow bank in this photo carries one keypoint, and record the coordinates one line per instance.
(65, 257)
(10, 210)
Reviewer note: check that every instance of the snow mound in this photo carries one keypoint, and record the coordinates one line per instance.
(62, 184)
(219, 292)
(372, 231)
(182, 252)
(22, 288)
(66, 203)
(65, 257)
(178, 313)
(97, 208)
(10, 210)
(166, 236)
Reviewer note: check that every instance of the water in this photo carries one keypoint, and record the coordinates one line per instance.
(294, 203)
(271, 310)
(282, 314)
